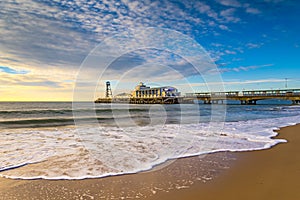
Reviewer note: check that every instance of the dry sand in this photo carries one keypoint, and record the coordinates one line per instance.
(267, 174)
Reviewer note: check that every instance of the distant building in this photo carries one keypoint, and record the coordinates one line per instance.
(143, 91)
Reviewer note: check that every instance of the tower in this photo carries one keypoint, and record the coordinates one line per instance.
(108, 90)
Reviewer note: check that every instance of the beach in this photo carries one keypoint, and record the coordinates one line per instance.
(268, 174)
(265, 174)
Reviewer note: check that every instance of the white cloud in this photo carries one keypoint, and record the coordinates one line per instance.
(251, 45)
(224, 27)
(253, 10)
(228, 15)
(227, 12)
(230, 52)
(231, 3)
(243, 68)
(203, 8)
(232, 85)
(273, 1)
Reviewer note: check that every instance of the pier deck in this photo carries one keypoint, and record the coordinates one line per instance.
(135, 100)
(247, 97)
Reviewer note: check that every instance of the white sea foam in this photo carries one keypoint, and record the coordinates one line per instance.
(87, 152)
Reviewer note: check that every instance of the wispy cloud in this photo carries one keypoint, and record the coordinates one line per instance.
(222, 69)
(231, 83)
(224, 27)
(243, 68)
(12, 80)
(231, 3)
(252, 10)
(229, 15)
(251, 45)
(273, 1)
(230, 52)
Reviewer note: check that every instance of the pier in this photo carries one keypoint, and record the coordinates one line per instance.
(246, 97)
(143, 94)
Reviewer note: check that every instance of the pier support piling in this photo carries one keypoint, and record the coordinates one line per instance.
(207, 101)
(248, 102)
(296, 102)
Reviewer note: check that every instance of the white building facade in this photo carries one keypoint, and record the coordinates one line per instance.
(143, 91)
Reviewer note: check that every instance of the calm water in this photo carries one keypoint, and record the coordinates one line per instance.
(81, 140)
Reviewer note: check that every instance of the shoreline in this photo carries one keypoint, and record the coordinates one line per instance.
(261, 174)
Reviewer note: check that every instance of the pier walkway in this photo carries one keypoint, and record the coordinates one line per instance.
(246, 97)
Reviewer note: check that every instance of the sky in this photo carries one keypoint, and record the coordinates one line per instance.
(46, 46)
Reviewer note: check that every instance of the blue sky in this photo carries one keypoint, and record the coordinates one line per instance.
(255, 44)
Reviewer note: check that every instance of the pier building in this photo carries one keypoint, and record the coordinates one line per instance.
(143, 91)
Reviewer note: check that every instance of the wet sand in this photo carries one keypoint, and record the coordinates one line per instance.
(267, 174)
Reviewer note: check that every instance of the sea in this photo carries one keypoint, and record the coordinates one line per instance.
(78, 140)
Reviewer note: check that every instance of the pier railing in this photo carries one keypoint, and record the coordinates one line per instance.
(248, 97)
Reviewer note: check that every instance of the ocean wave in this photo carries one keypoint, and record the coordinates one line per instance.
(61, 121)
(67, 111)
(89, 152)
(105, 144)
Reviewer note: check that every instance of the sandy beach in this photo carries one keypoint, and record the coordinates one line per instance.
(267, 174)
